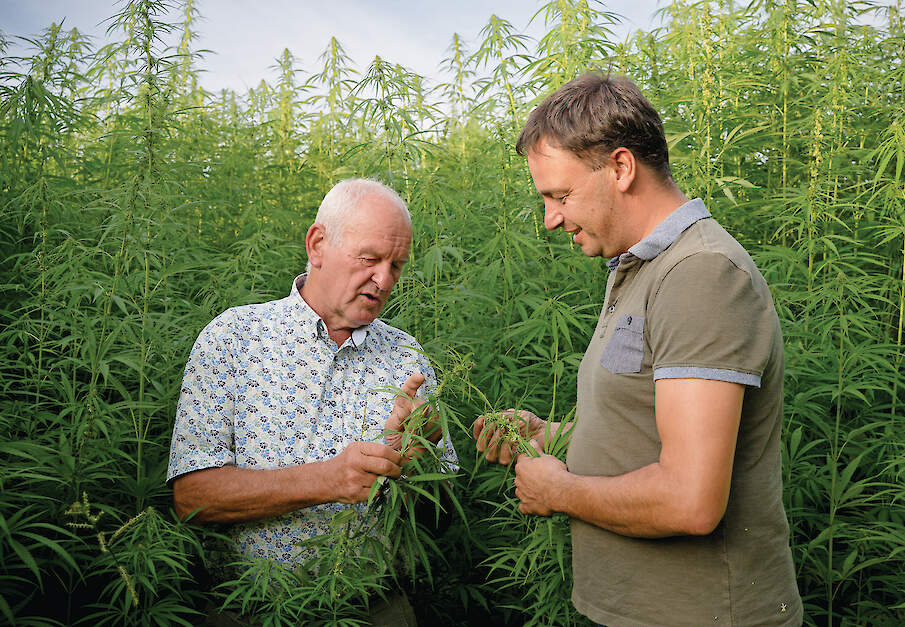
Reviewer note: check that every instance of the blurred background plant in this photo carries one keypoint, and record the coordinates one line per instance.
(135, 206)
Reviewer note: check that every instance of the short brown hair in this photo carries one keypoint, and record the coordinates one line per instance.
(593, 115)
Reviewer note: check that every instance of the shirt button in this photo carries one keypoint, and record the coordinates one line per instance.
(612, 308)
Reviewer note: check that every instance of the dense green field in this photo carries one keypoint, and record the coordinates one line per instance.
(135, 206)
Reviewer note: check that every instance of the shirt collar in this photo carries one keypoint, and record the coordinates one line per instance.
(665, 233)
(313, 322)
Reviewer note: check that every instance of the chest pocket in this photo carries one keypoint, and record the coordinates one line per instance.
(624, 352)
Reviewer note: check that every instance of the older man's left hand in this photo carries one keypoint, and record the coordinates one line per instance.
(538, 480)
(399, 418)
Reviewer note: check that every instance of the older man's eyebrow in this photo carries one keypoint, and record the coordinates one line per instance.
(367, 252)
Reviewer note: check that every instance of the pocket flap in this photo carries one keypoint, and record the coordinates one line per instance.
(631, 322)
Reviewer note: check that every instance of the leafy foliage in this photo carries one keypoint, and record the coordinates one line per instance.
(135, 206)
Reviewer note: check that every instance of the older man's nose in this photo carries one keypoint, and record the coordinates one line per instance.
(382, 277)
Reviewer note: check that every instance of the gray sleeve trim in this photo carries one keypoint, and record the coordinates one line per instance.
(715, 374)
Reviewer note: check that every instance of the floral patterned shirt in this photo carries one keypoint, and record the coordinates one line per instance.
(265, 387)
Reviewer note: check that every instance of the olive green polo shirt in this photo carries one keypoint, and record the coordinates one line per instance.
(685, 302)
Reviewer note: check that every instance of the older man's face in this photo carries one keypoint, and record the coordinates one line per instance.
(362, 268)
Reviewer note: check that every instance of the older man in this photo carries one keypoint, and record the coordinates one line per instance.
(279, 426)
(673, 479)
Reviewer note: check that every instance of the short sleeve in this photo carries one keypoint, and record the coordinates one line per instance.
(710, 319)
(203, 430)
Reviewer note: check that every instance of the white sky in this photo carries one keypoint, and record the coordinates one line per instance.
(246, 37)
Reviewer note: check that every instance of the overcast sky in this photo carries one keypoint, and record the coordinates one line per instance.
(246, 37)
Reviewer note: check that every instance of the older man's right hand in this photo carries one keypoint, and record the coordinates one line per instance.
(357, 467)
(497, 443)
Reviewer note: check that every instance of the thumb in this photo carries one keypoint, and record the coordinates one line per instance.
(536, 446)
(411, 385)
(394, 422)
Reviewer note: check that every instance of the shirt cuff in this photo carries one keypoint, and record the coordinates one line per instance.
(714, 374)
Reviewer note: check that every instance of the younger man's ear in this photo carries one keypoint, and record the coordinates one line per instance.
(625, 168)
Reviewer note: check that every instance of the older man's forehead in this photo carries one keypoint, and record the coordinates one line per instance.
(384, 237)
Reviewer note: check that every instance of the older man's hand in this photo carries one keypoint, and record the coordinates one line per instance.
(358, 466)
(402, 417)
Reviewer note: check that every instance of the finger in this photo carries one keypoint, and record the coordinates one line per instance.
(423, 413)
(377, 466)
(411, 385)
(486, 439)
(523, 420)
(392, 470)
(494, 440)
(376, 449)
(402, 407)
(426, 411)
(394, 440)
(537, 446)
(477, 430)
(492, 451)
(514, 415)
(393, 425)
(485, 436)
(413, 453)
(362, 488)
(433, 430)
(368, 448)
(392, 456)
(506, 453)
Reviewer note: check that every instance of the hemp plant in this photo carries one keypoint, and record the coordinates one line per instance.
(372, 549)
(530, 555)
(135, 206)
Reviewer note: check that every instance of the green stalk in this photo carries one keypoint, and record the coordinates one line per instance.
(895, 386)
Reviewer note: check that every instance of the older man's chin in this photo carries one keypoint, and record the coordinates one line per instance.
(367, 316)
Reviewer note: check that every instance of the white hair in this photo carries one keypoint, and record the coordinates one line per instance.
(345, 199)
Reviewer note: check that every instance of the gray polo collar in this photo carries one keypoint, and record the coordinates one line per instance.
(664, 234)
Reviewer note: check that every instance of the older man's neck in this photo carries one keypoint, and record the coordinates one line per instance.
(337, 333)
